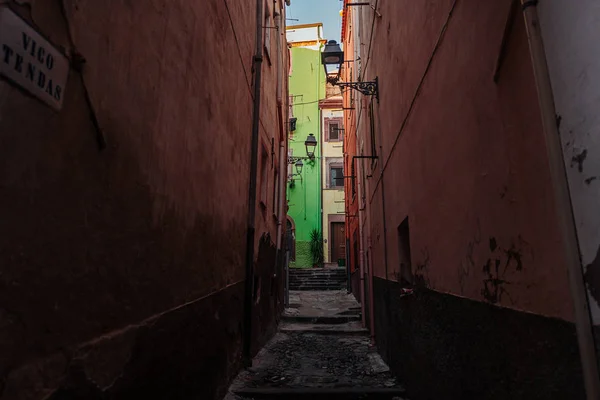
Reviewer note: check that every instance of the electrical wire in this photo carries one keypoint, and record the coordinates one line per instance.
(416, 94)
(237, 43)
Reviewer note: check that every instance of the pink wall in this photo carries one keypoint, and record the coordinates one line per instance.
(100, 242)
(469, 167)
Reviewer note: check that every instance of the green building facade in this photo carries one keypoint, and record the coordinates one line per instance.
(307, 87)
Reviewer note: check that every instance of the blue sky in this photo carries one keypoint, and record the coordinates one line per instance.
(325, 11)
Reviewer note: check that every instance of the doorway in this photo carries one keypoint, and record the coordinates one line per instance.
(290, 238)
(338, 243)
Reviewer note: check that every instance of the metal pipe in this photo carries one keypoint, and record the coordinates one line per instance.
(362, 254)
(286, 301)
(361, 266)
(321, 161)
(347, 254)
(282, 135)
(564, 207)
(251, 228)
(283, 118)
(321, 158)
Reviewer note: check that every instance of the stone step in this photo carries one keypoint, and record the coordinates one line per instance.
(322, 319)
(318, 287)
(352, 328)
(304, 393)
(342, 273)
(317, 277)
(317, 274)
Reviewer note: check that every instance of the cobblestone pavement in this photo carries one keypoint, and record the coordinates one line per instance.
(318, 361)
(321, 303)
(338, 362)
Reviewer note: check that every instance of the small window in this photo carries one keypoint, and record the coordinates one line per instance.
(333, 129)
(268, 28)
(336, 176)
(263, 177)
(334, 132)
(405, 276)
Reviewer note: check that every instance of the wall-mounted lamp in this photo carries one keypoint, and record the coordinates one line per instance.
(333, 55)
(311, 145)
(299, 164)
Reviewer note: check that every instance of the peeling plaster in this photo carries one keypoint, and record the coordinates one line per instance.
(592, 277)
(579, 159)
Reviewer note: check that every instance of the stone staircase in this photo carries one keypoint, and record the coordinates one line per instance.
(318, 279)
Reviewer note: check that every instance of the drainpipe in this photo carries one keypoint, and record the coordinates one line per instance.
(282, 157)
(361, 208)
(362, 254)
(277, 15)
(321, 161)
(249, 284)
(369, 245)
(564, 207)
(321, 152)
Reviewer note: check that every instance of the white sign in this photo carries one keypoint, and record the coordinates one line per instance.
(30, 61)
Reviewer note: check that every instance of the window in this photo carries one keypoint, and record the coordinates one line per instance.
(263, 177)
(405, 276)
(268, 29)
(334, 132)
(336, 176)
(334, 129)
(276, 193)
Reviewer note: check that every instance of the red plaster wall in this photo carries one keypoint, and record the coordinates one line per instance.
(351, 199)
(95, 242)
(469, 168)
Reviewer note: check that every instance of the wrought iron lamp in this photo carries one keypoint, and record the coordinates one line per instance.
(311, 144)
(299, 164)
(333, 55)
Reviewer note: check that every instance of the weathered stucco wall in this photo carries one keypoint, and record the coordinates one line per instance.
(307, 86)
(123, 268)
(573, 56)
(350, 149)
(466, 165)
(333, 199)
(461, 180)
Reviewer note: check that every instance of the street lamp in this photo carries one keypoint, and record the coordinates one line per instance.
(333, 55)
(299, 164)
(311, 144)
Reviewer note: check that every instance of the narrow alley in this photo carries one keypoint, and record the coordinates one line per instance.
(320, 352)
(299, 199)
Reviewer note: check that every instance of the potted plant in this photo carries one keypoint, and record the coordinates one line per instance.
(316, 248)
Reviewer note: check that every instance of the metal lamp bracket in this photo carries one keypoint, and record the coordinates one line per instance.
(369, 88)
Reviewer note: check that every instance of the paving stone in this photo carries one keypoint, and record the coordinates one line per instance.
(318, 360)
